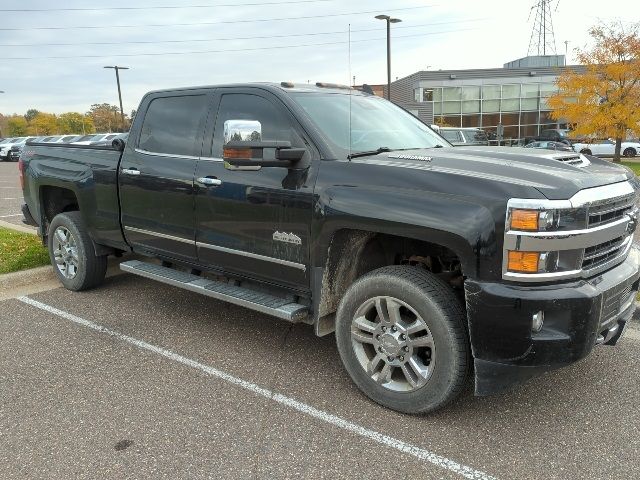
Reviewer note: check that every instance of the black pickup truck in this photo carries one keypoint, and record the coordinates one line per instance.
(333, 207)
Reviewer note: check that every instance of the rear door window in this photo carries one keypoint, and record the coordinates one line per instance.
(173, 125)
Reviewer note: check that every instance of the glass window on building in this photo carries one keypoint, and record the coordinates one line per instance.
(510, 118)
(545, 117)
(529, 130)
(490, 119)
(548, 89)
(471, 106)
(451, 107)
(544, 104)
(529, 90)
(511, 91)
(437, 108)
(491, 92)
(451, 93)
(529, 104)
(471, 121)
(427, 95)
(416, 94)
(437, 94)
(528, 118)
(471, 93)
(491, 106)
(510, 105)
(510, 132)
(452, 120)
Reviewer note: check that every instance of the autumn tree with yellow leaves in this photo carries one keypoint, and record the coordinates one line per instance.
(604, 100)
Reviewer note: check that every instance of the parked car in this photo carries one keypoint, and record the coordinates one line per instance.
(108, 141)
(464, 136)
(97, 137)
(607, 148)
(550, 145)
(16, 148)
(5, 148)
(560, 135)
(429, 262)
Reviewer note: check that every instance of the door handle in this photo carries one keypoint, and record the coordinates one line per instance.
(210, 181)
(131, 171)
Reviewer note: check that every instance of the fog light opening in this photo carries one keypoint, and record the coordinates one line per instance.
(536, 321)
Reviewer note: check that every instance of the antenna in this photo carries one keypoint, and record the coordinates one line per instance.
(349, 54)
(543, 41)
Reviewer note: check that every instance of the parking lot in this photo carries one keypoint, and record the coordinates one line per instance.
(136, 379)
(10, 193)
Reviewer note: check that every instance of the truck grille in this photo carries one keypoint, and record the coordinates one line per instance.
(610, 210)
(602, 253)
(614, 299)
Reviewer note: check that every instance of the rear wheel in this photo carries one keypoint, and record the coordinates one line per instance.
(72, 254)
(586, 151)
(629, 152)
(401, 336)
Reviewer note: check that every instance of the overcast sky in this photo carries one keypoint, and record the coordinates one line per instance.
(433, 35)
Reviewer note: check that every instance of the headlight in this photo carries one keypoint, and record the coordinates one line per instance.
(547, 220)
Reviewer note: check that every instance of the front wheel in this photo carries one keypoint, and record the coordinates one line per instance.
(586, 151)
(72, 254)
(629, 152)
(401, 336)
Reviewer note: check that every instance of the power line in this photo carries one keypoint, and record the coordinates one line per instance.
(260, 37)
(158, 7)
(256, 20)
(196, 52)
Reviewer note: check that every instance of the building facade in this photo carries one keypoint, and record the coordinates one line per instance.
(512, 100)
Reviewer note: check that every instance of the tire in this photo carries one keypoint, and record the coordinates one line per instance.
(441, 352)
(629, 152)
(586, 151)
(69, 243)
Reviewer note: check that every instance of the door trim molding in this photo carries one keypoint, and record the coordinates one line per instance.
(161, 235)
(257, 256)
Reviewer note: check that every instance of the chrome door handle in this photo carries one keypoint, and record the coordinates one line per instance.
(131, 171)
(209, 182)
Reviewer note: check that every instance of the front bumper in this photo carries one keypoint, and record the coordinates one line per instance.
(577, 316)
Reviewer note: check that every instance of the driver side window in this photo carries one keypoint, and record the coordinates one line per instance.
(242, 106)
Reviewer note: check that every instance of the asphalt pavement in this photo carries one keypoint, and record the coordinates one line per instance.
(10, 193)
(136, 380)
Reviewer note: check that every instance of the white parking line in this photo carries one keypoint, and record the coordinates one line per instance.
(407, 448)
(7, 216)
(14, 198)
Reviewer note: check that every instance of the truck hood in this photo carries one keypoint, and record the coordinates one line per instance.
(557, 175)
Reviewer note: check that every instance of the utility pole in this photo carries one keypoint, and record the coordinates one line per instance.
(389, 21)
(117, 68)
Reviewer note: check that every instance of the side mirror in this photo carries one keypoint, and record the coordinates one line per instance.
(244, 147)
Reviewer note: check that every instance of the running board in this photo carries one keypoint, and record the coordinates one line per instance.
(244, 297)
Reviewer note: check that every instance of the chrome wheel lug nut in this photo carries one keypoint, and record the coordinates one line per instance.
(401, 358)
(403, 337)
(406, 349)
(378, 336)
(394, 329)
(391, 359)
(384, 329)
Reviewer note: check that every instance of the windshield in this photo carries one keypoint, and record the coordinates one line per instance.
(375, 123)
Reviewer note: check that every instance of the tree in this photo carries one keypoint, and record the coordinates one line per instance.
(31, 114)
(603, 101)
(106, 117)
(17, 126)
(43, 124)
(74, 122)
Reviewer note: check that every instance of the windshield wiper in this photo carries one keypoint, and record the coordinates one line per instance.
(368, 153)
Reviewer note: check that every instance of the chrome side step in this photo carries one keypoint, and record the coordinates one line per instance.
(244, 297)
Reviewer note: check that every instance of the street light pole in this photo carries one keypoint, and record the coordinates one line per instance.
(116, 68)
(389, 21)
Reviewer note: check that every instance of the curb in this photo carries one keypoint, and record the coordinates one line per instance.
(34, 276)
(18, 228)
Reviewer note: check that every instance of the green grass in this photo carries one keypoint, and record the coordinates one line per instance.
(19, 251)
(635, 166)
